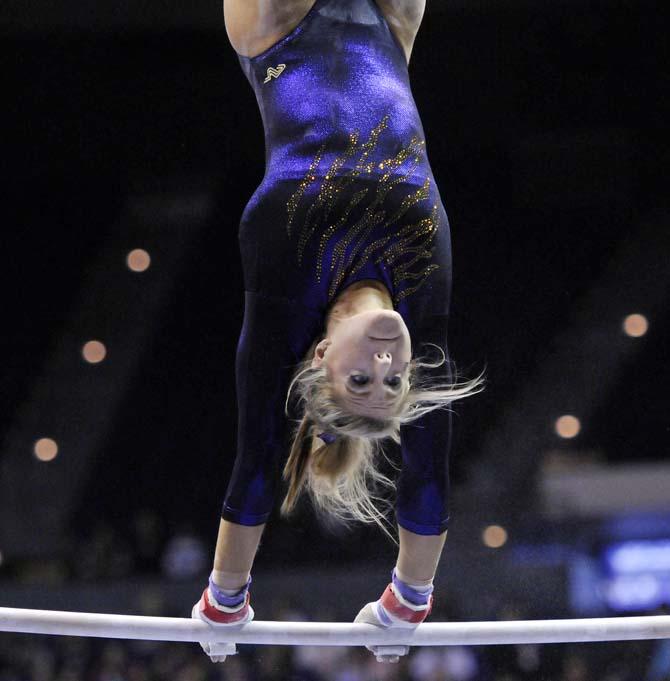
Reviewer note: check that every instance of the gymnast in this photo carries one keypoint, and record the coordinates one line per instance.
(346, 258)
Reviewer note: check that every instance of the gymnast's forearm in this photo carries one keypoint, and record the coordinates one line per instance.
(418, 556)
(236, 548)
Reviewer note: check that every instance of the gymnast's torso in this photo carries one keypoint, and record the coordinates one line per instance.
(348, 195)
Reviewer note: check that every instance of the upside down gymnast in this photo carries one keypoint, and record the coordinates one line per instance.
(346, 259)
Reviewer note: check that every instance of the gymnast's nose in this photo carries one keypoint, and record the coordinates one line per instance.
(382, 358)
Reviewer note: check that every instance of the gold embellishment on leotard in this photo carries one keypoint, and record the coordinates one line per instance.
(293, 202)
(371, 218)
(414, 238)
(427, 229)
(275, 73)
(330, 188)
(386, 183)
(414, 230)
(333, 183)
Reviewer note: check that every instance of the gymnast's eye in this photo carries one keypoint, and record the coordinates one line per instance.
(394, 381)
(362, 379)
(359, 379)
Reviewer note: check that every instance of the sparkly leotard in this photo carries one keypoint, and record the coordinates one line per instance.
(348, 194)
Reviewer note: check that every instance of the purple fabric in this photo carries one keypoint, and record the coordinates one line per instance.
(229, 601)
(328, 438)
(410, 594)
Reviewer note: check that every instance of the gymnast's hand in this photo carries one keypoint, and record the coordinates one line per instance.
(209, 610)
(395, 610)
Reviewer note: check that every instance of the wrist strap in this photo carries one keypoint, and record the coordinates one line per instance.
(224, 599)
(409, 593)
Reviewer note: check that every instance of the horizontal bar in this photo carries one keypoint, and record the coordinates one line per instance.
(334, 633)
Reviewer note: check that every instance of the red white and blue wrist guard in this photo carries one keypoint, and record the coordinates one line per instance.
(214, 613)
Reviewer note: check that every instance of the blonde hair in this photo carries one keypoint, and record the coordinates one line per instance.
(342, 478)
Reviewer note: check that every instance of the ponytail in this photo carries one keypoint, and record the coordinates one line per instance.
(341, 478)
(295, 470)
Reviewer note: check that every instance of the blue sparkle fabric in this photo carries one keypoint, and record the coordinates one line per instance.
(348, 194)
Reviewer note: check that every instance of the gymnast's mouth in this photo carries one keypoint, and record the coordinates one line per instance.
(383, 339)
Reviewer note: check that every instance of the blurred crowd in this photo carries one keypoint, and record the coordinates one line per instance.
(107, 555)
(145, 547)
(52, 658)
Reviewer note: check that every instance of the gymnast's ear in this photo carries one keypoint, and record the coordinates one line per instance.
(319, 353)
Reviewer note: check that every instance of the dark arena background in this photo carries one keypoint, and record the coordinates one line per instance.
(131, 142)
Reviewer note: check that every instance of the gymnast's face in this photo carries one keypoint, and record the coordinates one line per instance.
(366, 357)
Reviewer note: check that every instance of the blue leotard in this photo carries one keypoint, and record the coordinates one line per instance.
(348, 194)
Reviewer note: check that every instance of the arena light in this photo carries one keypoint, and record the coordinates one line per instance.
(635, 325)
(568, 426)
(494, 536)
(46, 449)
(138, 260)
(633, 557)
(624, 592)
(637, 574)
(94, 352)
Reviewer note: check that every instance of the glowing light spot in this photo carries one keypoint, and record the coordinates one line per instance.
(138, 260)
(46, 449)
(568, 426)
(494, 536)
(635, 325)
(94, 352)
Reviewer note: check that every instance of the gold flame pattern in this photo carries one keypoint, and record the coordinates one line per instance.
(400, 239)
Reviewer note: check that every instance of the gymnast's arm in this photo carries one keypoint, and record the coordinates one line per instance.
(275, 336)
(404, 18)
(422, 502)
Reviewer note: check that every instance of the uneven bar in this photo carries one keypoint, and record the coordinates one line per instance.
(333, 633)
